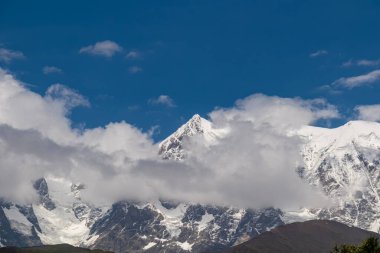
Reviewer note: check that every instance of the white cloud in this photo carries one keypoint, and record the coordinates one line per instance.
(318, 53)
(368, 112)
(24, 109)
(69, 97)
(348, 63)
(357, 81)
(134, 69)
(51, 70)
(252, 165)
(8, 55)
(162, 100)
(362, 62)
(105, 48)
(134, 54)
(368, 63)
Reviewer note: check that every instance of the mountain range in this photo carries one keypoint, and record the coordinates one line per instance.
(344, 162)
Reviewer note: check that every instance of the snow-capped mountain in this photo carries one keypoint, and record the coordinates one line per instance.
(62, 217)
(344, 161)
(173, 146)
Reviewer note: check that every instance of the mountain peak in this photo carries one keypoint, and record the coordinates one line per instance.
(195, 117)
(172, 148)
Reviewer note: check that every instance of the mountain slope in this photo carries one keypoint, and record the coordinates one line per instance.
(316, 236)
(345, 163)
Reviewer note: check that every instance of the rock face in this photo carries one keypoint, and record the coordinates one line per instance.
(157, 227)
(18, 225)
(344, 161)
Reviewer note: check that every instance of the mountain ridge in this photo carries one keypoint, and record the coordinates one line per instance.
(335, 160)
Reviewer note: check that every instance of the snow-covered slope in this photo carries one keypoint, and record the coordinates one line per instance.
(344, 161)
(173, 146)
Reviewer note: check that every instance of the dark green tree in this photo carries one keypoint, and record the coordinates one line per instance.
(371, 245)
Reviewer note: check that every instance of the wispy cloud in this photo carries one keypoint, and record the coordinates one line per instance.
(318, 53)
(51, 70)
(105, 48)
(357, 81)
(362, 63)
(8, 55)
(68, 96)
(368, 112)
(134, 54)
(162, 100)
(134, 69)
(348, 63)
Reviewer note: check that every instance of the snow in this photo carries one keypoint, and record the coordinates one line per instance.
(300, 215)
(172, 218)
(18, 221)
(203, 223)
(185, 245)
(344, 162)
(237, 215)
(149, 245)
(171, 147)
(61, 225)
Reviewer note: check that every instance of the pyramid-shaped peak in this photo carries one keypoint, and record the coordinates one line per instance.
(171, 147)
(196, 124)
(196, 117)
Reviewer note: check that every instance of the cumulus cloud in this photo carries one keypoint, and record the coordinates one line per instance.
(357, 81)
(8, 55)
(162, 100)
(51, 70)
(368, 112)
(251, 164)
(318, 53)
(105, 48)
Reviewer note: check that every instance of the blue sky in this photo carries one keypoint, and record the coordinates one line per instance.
(160, 62)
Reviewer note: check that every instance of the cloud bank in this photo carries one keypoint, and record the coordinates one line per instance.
(251, 165)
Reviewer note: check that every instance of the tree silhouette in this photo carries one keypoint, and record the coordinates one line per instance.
(371, 245)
